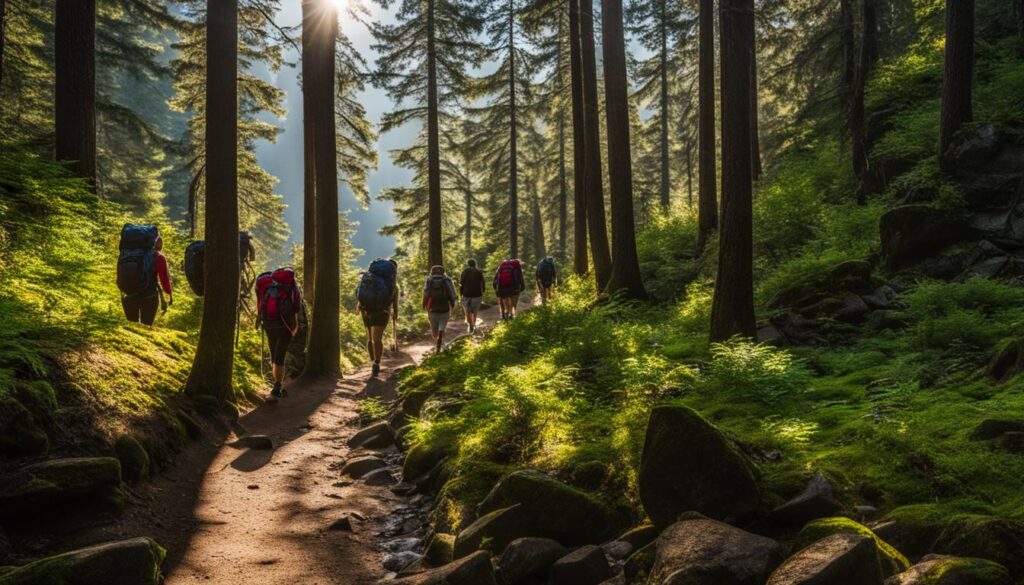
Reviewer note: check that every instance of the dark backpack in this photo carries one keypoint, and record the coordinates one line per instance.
(439, 295)
(276, 293)
(377, 286)
(546, 271)
(246, 252)
(136, 265)
(193, 266)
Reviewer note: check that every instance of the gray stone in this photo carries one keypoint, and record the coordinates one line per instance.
(259, 442)
(528, 560)
(44, 485)
(376, 436)
(395, 562)
(618, 550)
(497, 529)
(840, 559)
(986, 537)
(380, 477)
(475, 569)
(910, 233)
(128, 562)
(584, 566)
(853, 310)
(360, 466)
(944, 570)
(701, 551)
(343, 524)
(640, 536)
(818, 500)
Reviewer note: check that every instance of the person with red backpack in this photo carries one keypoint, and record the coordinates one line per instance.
(142, 273)
(280, 302)
(508, 285)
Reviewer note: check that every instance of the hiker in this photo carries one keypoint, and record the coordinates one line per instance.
(508, 284)
(377, 302)
(547, 279)
(438, 300)
(471, 288)
(280, 302)
(142, 273)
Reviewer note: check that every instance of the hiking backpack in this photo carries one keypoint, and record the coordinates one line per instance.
(275, 292)
(438, 293)
(546, 271)
(136, 265)
(510, 275)
(193, 266)
(377, 286)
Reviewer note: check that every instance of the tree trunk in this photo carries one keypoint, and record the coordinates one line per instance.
(563, 196)
(849, 47)
(1020, 18)
(591, 135)
(689, 174)
(539, 249)
(75, 86)
(732, 309)
(625, 277)
(323, 358)
(308, 161)
(469, 222)
(435, 253)
(858, 132)
(580, 262)
(664, 109)
(211, 373)
(707, 195)
(513, 177)
(755, 139)
(958, 77)
(3, 40)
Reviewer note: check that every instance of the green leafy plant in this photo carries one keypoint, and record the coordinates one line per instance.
(754, 371)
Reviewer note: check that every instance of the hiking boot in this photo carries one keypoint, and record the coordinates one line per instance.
(276, 392)
(374, 369)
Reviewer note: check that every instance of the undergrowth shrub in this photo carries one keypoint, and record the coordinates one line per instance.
(754, 371)
(973, 315)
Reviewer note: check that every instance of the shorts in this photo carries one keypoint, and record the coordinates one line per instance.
(546, 284)
(472, 304)
(507, 294)
(279, 338)
(438, 321)
(140, 309)
(376, 318)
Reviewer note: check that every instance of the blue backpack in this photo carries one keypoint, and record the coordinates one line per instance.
(377, 286)
(136, 265)
(546, 271)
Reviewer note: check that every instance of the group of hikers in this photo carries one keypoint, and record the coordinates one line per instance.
(143, 278)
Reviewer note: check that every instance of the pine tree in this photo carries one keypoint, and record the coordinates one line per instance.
(323, 357)
(75, 86)
(3, 42)
(866, 62)
(596, 223)
(211, 372)
(732, 308)
(422, 65)
(625, 274)
(308, 160)
(708, 191)
(580, 259)
(958, 77)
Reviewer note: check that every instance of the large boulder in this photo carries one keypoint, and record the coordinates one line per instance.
(493, 531)
(127, 562)
(20, 434)
(892, 561)
(551, 508)
(943, 570)
(475, 569)
(818, 500)
(133, 458)
(422, 459)
(44, 485)
(986, 537)
(586, 565)
(910, 233)
(357, 467)
(701, 551)
(529, 560)
(376, 436)
(689, 465)
(840, 559)
(440, 550)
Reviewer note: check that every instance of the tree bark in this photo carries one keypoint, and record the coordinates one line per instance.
(563, 196)
(625, 277)
(732, 309)
(3, 42)
(75, 86)
(957, 81)
(689, 174)
(580, 262)
(308, 161)
(591, 135)
(211, 373)
(435, 253)
(665, 173)
(849, 47)
(469, 222)
(539, 249)
(858, 133)
(707, 195)
(323, 358)
(755, 139)
(513, 177)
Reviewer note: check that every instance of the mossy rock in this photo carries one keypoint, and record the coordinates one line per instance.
(639, 564)
(50, 483)
(440, 550)
(986, 537)
(37, 397)
(914, 529)
(943, 570)
(133, 458)
(493, 532)
(422, 458)
(892, 560)
(129, 562)
(553, 509)
(689, 465)
(20, 436)
(192, 427)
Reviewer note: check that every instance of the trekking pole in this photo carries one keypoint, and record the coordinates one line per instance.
(394, 329)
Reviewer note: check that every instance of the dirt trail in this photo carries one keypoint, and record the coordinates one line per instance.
(247, 517)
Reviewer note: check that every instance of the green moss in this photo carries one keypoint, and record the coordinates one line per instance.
(892, 560)
(133, 457)
(964, 570)
(20, 436)
(38, 397)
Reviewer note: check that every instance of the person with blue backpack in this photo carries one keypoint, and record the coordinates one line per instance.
(142, 274)
(547, 279)
(377, 302)
(438, 301)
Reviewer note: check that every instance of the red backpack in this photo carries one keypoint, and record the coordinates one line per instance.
(276, 294)
(510, 274)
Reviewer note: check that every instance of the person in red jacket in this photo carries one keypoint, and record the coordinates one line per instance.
(142, 308)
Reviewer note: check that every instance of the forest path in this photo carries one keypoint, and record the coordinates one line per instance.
(233, 516)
